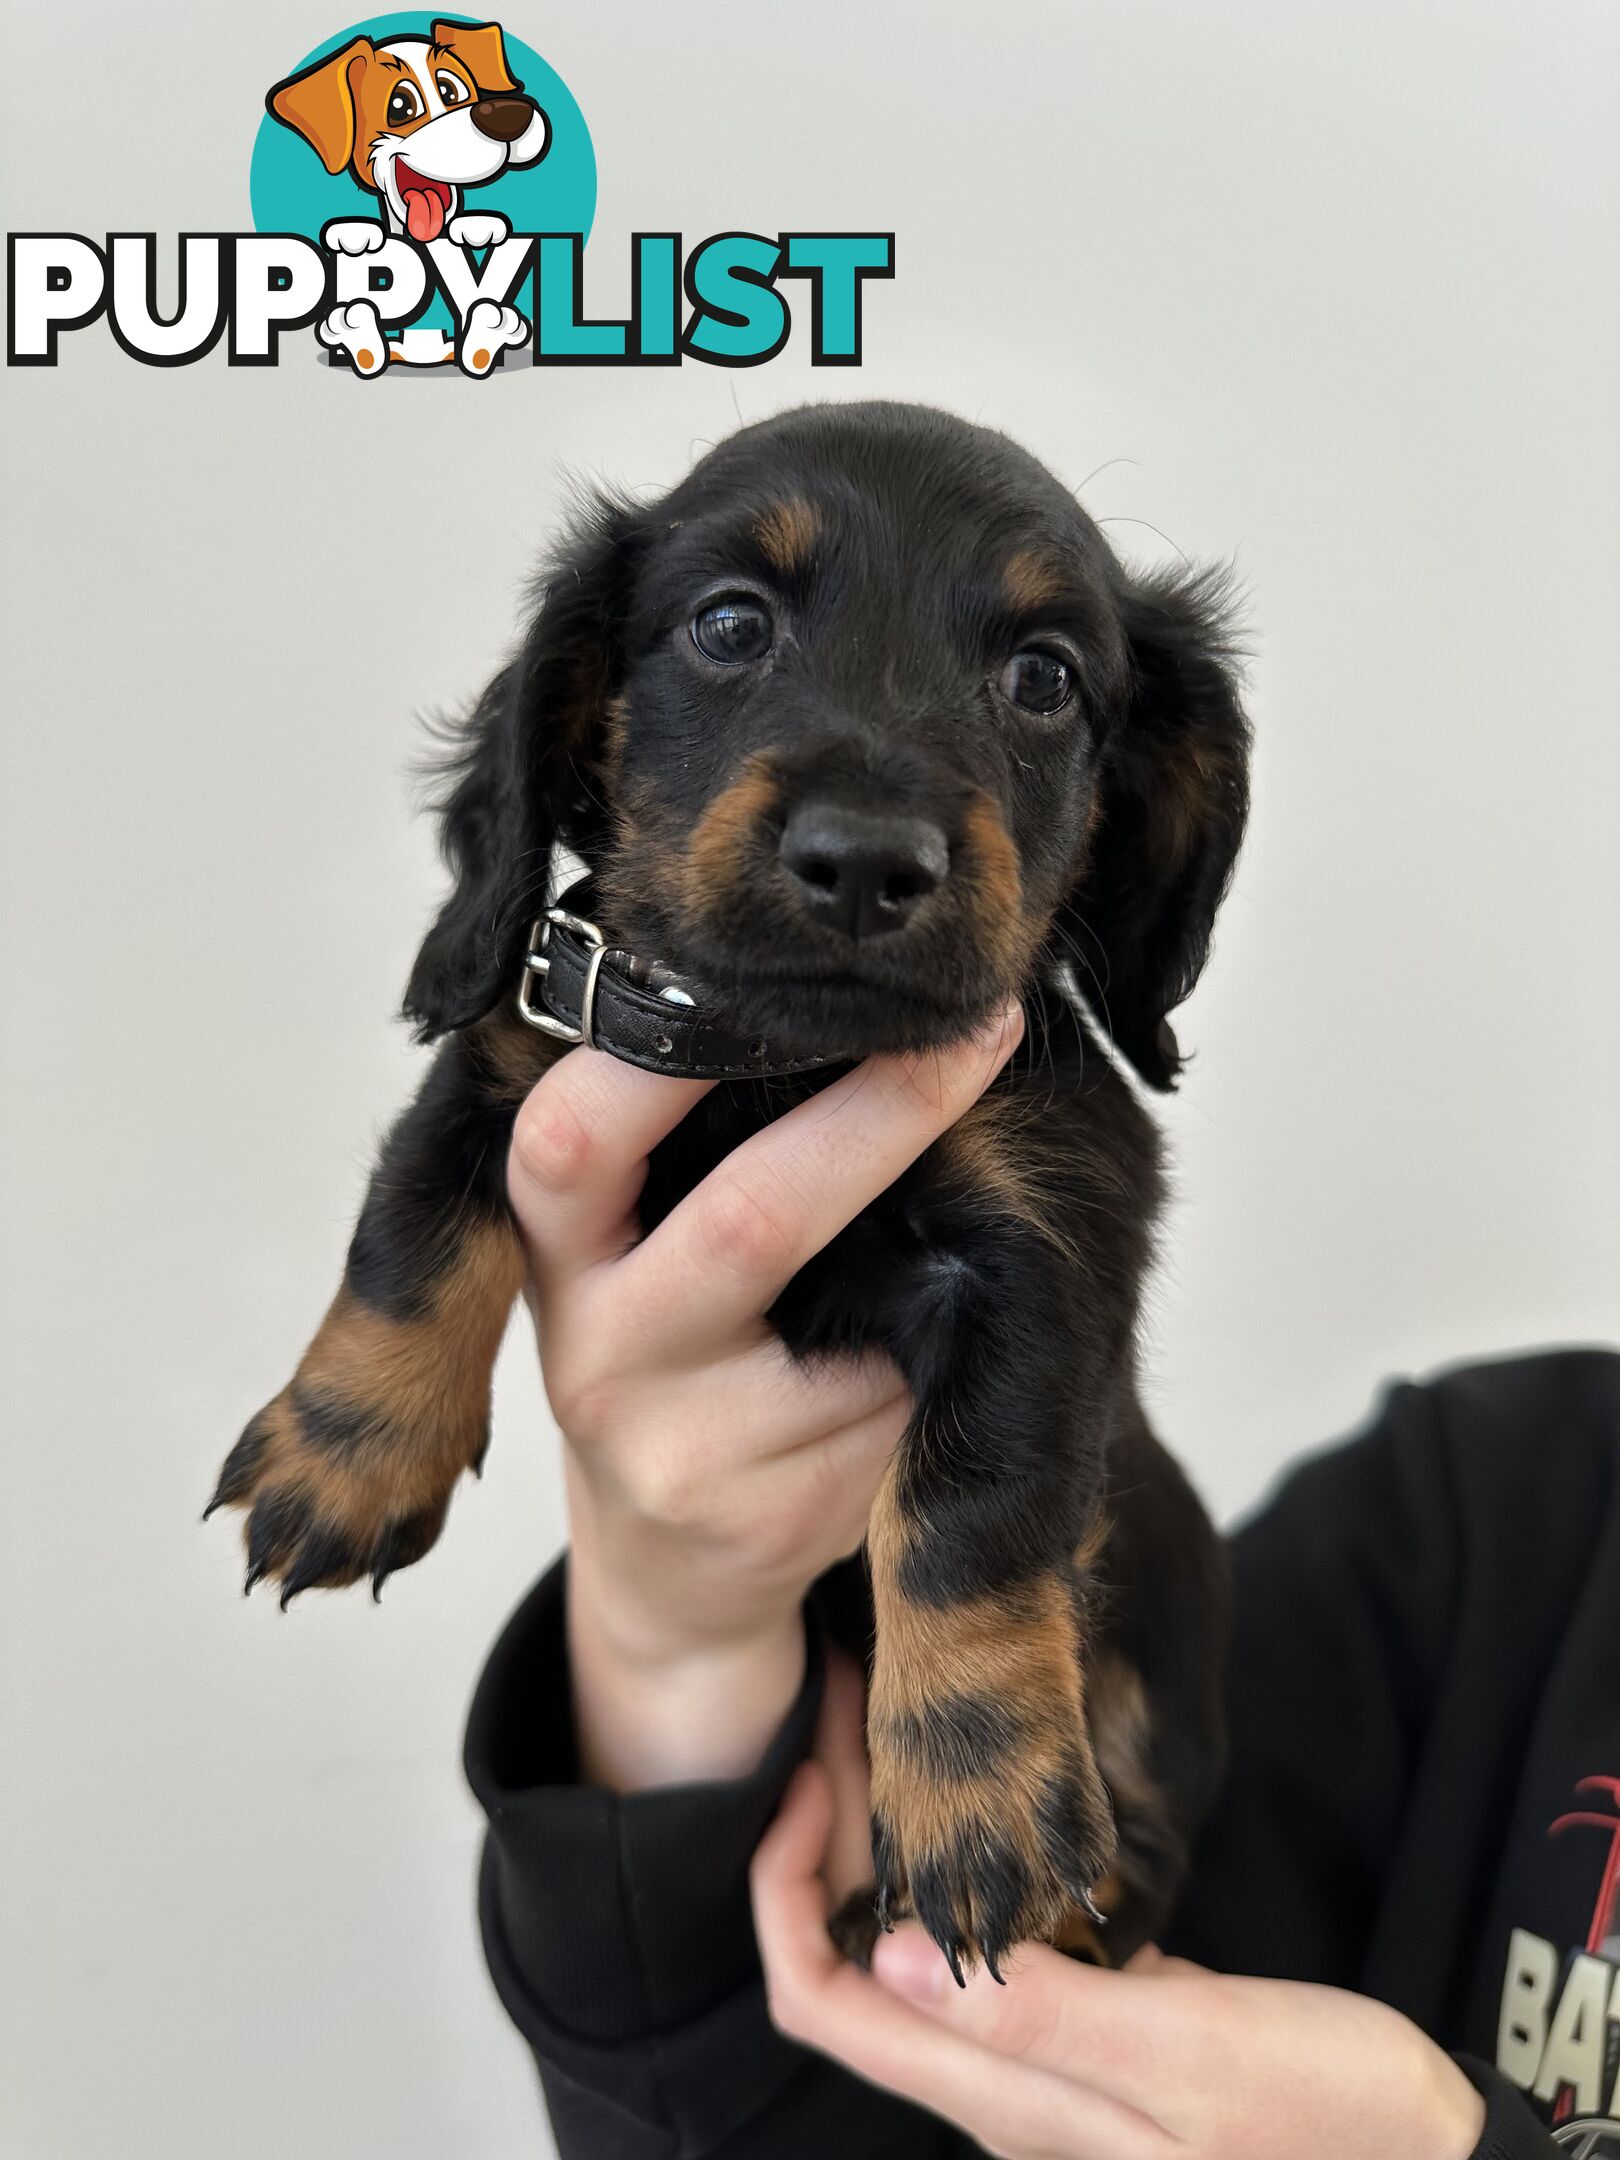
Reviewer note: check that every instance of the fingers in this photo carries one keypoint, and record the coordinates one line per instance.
(841, 1751)
(728, 1249)
(579, 1154)
(815, 1997)
(1107, 2031)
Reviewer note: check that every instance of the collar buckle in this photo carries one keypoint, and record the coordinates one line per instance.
(537, 963)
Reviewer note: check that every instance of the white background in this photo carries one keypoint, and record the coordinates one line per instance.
(1336, 285)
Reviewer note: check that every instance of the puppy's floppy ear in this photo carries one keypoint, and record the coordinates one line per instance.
(481, 47)
(1174, 789)
(524, 773)
(319, 104)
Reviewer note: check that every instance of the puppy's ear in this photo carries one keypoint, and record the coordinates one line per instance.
(1174, 799)
(481, 48)
(319, 104)
(525, 772)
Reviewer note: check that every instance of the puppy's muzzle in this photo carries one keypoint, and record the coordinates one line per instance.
(863, 872)
(502, 119)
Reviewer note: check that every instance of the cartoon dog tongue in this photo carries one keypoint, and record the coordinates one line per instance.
(424, 213)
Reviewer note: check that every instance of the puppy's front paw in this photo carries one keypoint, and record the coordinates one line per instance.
(331, 1495)
(348, 1472)
(352, 236)
(990, 1820)
(478, 228)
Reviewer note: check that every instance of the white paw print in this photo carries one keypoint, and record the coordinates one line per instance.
(352, 236)
(488, 331)
(357, 330)
(478, 228)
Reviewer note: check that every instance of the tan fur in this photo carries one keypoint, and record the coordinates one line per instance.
(787, 533)
(1020, 1650)
(425, 1379)
(991, 1149)
(713, 854)
(1032, 581)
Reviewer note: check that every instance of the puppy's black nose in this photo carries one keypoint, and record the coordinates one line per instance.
(502, 119)
(862, 871)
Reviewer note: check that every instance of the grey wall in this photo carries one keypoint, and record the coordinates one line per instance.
(1331, 288)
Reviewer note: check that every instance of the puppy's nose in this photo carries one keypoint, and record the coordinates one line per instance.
(502, 119)
(862, 871)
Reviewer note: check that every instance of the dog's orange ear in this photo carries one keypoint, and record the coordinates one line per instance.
(481, 48)
(319, 104)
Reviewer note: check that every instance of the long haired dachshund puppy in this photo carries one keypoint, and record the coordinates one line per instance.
(861, 729)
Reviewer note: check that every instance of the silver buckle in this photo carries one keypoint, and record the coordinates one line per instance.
(537, 962)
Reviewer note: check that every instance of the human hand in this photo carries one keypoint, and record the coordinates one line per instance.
(710, 1479)
(1068, 2062)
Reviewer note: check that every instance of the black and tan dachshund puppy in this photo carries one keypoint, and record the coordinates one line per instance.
(861, 730)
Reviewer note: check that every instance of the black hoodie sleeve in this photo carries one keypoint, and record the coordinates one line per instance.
(619, 1936)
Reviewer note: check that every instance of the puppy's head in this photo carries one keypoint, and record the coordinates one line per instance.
(859, 727)
(417, 119)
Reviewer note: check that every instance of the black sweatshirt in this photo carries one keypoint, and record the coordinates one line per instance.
(1424, 1805)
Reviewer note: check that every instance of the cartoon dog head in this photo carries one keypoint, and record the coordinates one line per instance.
(417, 119)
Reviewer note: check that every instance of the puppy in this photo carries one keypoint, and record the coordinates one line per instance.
(416, 121)
(861, 729)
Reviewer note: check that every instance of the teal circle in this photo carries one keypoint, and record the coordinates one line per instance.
(291, 190)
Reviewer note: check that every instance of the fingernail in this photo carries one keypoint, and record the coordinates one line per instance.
(908, 1964)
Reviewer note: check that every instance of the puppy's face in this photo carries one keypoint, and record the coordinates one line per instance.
(862, 725)
(869, 663)
(417, 119)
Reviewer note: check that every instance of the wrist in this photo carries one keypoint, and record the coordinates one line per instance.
(658, 1707)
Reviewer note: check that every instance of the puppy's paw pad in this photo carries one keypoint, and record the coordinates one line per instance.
(488, 331)
(356, 328)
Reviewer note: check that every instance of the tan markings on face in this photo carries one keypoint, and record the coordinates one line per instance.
(989, 855)
(787, 534)
(708, 875)
(1031, 581)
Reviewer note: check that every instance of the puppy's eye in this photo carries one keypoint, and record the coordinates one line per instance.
(733, 631)
(1037, 681)
(450, 87)
(404, 105)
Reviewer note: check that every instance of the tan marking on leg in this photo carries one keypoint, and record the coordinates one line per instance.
(418, 1388)
(1019, 1650)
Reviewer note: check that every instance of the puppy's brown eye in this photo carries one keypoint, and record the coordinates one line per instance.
(1037, 681)
(403, 106)
(450, 87)
(732, 631)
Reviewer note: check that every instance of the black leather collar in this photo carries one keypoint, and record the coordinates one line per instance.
(594, 992)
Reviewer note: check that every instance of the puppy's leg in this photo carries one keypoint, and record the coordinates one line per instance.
(349, 1470)
(990, 1816)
